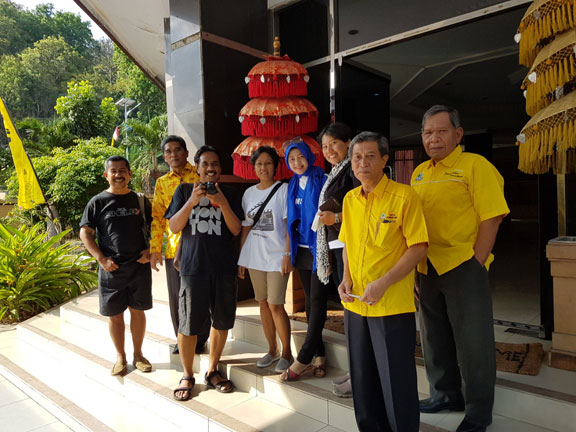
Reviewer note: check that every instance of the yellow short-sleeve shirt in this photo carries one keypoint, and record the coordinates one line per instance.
(165, 188)
(377, 231)
(457, 193)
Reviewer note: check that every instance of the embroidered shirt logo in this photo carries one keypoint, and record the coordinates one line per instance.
(419, 177)
(458, 173)
(388, 218)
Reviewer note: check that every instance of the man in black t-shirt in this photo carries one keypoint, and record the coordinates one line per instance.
(209, 217)
(124, 277)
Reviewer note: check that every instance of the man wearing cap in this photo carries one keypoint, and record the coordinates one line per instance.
(385, 237)
(463, 200)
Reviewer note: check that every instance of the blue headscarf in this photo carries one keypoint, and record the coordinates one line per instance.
(316, 179)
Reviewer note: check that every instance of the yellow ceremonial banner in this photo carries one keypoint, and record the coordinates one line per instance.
(29, 194)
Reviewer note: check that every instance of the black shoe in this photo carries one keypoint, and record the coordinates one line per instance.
(201, 347)
(434, 405)
(469, 425)
(175, 350)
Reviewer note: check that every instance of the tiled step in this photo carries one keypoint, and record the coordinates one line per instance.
(515, 401)
(84, 377)
(300, 399)
(311, 396)
(520, 400)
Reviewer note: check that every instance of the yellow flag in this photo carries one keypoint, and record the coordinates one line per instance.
(29, 194)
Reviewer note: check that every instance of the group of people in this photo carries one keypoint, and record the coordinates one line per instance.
(354, 225)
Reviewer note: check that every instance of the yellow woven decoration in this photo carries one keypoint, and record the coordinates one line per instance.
(543, 20)
(553, 67)
(548, 140)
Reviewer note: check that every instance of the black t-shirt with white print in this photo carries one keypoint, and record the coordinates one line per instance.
(118, 222)
(208, 246)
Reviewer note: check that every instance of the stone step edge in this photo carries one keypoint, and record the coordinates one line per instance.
(230, 364)
(251, 368)
(60, 407)
(198, 408)
(502, 382)
(154, 337)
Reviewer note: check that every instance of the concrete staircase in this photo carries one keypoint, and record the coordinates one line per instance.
(62, 359)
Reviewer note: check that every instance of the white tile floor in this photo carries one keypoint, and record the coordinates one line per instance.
(248, 408)
(19, 413)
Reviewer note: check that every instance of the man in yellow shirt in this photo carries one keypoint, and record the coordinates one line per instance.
(385, 236)
(181, 171)
(463, 200)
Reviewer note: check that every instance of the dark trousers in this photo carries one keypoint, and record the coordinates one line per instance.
(458, 336)
(173, 282)
(339, 264)
(383, 371)
(316, 305)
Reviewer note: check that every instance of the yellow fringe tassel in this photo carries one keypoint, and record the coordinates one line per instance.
(541, 93)
(543, 149)
(556, 17)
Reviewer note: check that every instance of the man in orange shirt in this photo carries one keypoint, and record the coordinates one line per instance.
(181, 171)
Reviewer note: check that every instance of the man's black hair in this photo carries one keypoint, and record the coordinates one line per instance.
(171, 138)
(206, 149)
(116, 159)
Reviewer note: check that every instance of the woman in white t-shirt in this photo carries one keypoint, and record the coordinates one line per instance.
(265, 252)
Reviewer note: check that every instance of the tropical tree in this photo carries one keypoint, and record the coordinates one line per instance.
(31, 81)
(143, 143)
(84, 116)
(134, 84)
(20, 28)
(70, 177)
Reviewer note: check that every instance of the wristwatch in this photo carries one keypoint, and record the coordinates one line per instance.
(336, 218)
(287, 254)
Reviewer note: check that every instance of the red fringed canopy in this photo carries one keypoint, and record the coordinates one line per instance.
(277, 77)
(278, 116)
(242, 153)
(276, 113)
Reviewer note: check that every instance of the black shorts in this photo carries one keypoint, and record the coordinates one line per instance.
(129, 285)
(205, 299)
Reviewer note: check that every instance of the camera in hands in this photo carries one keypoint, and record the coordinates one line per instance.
(210, 188)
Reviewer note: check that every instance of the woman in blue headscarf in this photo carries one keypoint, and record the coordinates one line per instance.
(303, 192)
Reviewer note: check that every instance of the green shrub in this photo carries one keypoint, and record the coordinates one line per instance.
(36, 273)
(70, 177)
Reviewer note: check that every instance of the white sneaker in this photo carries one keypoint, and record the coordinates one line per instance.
(267, 360)
(283, 364)
(341, 379)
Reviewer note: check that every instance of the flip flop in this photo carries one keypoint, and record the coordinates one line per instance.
(187, 390)
(224, 386)
(293, 376)
(320, 371)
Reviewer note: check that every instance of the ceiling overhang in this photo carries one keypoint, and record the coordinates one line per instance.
(137, 27)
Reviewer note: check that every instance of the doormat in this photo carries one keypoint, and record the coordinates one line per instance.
(524, 359)
(562, 361)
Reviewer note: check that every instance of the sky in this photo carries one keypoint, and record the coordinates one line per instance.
(66, 6)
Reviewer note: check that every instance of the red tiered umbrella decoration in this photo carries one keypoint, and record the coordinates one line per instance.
(267, 116)
(276, 112)
(277, 77)
(241, 156)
